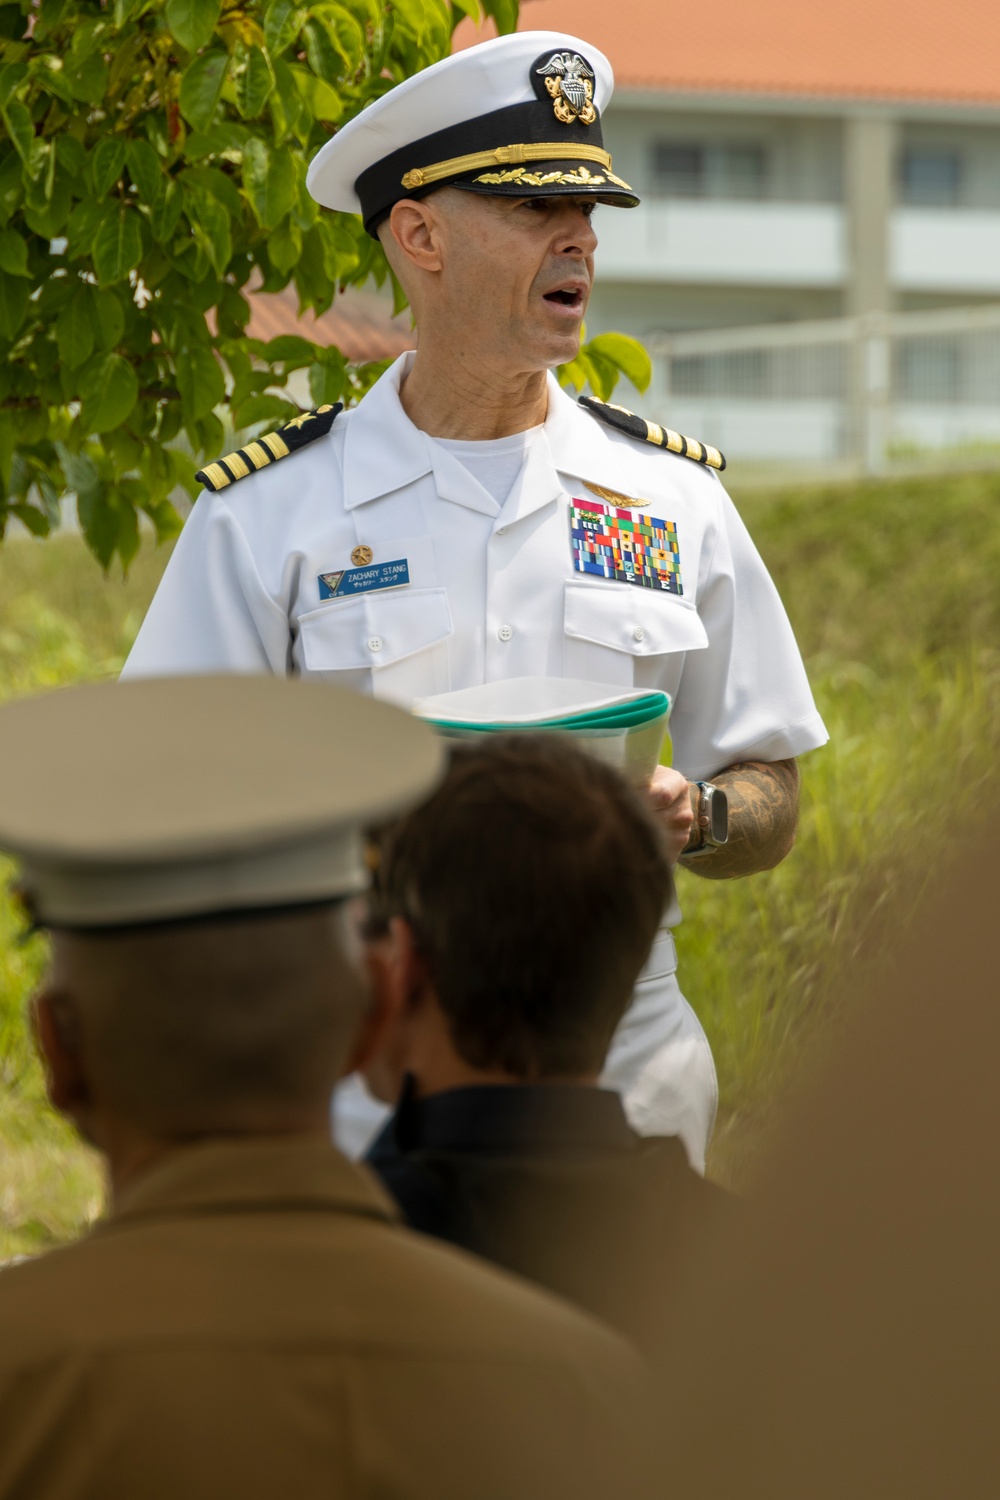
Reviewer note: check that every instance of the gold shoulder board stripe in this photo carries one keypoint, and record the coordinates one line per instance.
(269, 448)
(633, 426)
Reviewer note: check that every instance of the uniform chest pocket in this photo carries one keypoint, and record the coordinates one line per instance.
(628, 635)
(399, 636)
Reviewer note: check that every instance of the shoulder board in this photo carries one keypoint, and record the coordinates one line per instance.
(651, 432)
(268, 449)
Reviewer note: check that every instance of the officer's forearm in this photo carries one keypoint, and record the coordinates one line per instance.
(763, 811)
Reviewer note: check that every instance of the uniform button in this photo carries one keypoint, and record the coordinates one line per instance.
(505, 632)
(374, 643)
(638, 634)
(501, 531)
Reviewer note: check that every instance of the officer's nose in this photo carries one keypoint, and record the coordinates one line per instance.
(577, 236)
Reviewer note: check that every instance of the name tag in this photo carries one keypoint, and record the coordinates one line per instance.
(390, 575)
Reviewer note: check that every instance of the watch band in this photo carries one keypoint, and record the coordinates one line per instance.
(707, 793)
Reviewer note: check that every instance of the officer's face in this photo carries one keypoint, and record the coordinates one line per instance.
(516, 275)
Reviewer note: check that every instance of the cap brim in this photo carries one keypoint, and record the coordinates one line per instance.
(551, 179)
(613, 197)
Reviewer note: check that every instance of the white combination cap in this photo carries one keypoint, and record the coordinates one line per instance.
(519, 116)
(169, 798)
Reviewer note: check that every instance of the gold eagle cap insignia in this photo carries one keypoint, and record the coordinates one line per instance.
(569, 82)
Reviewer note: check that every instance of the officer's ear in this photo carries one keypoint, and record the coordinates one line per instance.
(414, 238)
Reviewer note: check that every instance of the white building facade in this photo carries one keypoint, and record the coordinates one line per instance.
(852, 221)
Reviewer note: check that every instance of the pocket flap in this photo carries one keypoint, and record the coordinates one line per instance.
(373, 630)
(628, 618)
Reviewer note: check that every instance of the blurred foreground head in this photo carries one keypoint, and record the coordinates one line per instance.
(189, 842)
(521, 901)
(850, 1346)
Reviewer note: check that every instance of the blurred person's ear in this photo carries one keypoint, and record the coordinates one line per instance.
(55, 1024)
(398, 980)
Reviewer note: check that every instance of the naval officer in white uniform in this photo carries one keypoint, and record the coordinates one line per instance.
(470, 521)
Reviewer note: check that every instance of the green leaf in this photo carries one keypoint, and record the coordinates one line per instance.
(289, 350)
(201, 88)
(504, 13)
(282, 23)
(284, 245)
(574, 374)
(110, 390)
(81, 472)
(82, 225)
(13, 253)
(269, 181)
(326, 384)
(19, 128)
(11, 187)
(127, 64)
(265, 408)
(144, 169)
(107, 320)
(233, 311)
(626, 354)
(345, 35)
(117, 245)
(74, 334)
(32, 518)
(99, 523)
(11, 76)
(192, 21)
(254, 84)
(218, 184)
(325, 58)
(200, 382)
(71, 156)
(166, 211)
(107, 161)
(169, 424)
(224, 136)
(322, 102)
(49, 13)
(125, 10)
(289, 113)
(13, 304)
(210, 223)
(166, 522)
(87, 78)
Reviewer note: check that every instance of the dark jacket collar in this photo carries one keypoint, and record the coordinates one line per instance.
(508, 1118)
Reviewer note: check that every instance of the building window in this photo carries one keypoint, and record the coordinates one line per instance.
(931, 175)
(683, 169)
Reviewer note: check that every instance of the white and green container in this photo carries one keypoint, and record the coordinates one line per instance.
(627, 729)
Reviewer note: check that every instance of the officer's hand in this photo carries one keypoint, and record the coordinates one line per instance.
(670, 799)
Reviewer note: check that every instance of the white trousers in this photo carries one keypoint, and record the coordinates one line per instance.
(660, 1062)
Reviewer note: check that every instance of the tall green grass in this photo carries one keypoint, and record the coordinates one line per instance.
(893, 590)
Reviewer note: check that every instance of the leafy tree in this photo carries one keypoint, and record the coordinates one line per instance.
(152, 160)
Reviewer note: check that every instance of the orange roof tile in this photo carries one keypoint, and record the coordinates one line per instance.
(358, 323)
(920, 50)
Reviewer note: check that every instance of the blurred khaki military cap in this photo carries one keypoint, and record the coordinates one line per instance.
(167, 798)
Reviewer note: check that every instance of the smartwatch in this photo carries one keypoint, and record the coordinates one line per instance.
(712, 819)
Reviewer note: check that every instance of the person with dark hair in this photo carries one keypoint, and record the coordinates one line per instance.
(511, 914)
(251, 1319)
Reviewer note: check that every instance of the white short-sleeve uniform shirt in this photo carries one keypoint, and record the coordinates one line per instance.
(491, 591)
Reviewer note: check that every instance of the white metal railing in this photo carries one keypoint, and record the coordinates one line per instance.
(868, 393)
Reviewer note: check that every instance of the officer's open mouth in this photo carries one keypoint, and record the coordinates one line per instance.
(565, 297)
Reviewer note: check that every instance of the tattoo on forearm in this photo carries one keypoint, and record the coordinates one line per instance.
(763, 811)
